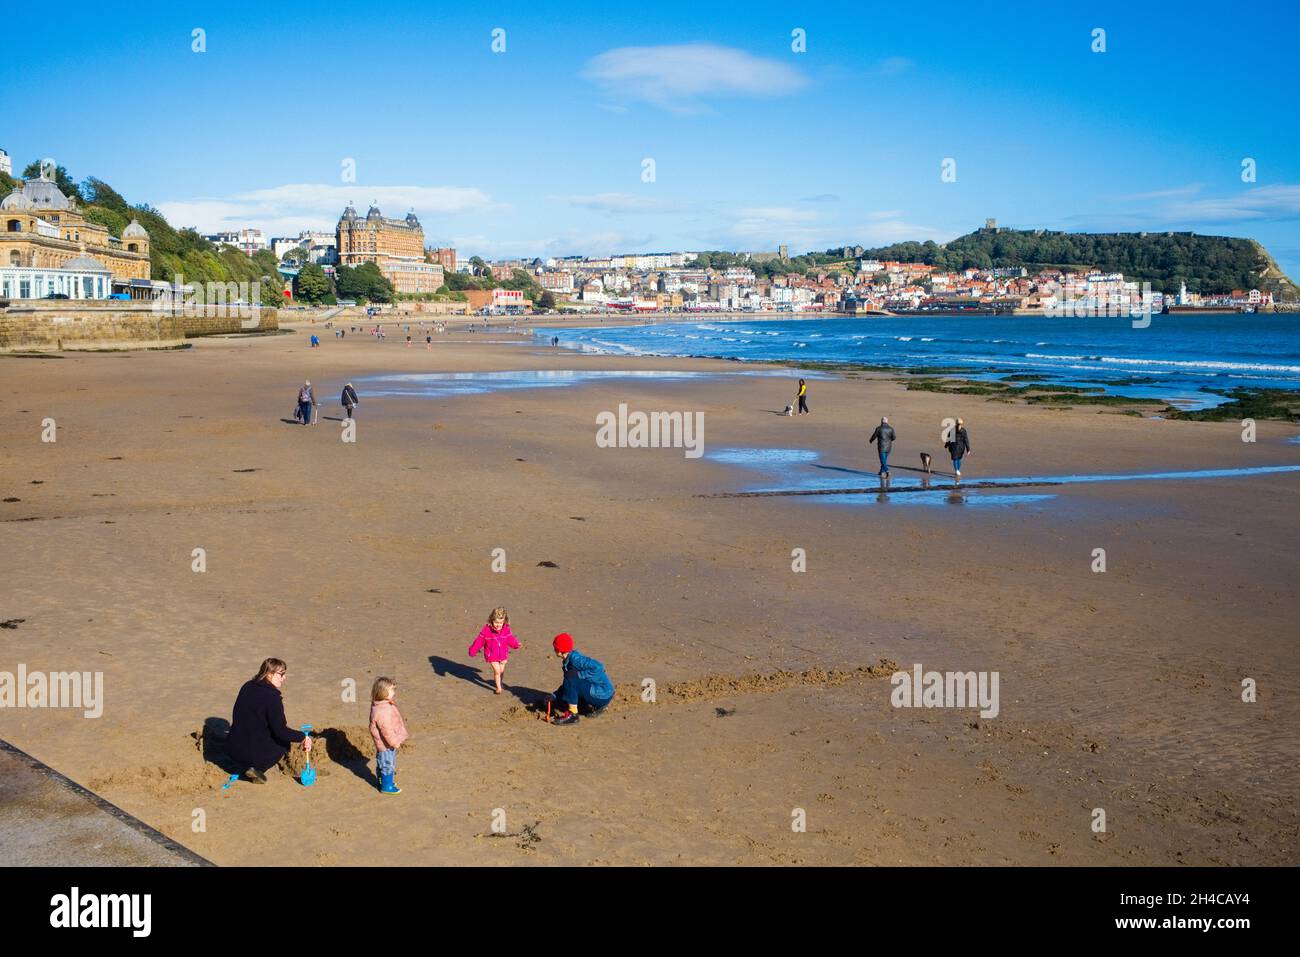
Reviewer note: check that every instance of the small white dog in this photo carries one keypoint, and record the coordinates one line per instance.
(789, 410)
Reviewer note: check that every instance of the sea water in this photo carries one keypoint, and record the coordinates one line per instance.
(1185, 359)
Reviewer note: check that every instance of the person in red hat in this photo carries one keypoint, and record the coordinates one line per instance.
(585, 683)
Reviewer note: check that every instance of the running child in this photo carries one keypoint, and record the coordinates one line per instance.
(496, 639)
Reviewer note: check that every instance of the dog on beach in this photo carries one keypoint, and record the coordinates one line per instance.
(925, 461)
(789, 410)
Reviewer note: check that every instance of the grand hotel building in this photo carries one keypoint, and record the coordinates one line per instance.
(396, 246)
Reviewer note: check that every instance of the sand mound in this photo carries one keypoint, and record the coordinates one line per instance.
(725, 686)
(162, 781)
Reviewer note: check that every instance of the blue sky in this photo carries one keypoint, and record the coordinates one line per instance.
(540, 150)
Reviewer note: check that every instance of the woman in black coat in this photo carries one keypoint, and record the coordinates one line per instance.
(259, 735)
(959, 447)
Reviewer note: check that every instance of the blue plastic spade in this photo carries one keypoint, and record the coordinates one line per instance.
(308, 777)
(233, 779)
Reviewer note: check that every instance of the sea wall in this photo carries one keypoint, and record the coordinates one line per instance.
(38, 325)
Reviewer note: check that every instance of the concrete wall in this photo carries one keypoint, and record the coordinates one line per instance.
(37, 325)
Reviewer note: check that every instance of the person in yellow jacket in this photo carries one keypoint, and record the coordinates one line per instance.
(803, 397)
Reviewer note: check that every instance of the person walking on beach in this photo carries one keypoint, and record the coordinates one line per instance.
(259, 735)
(803, 397)
(350, 401)
(306, 403)
(959, 446)
(585, 683)
(388, 731)
(496, 639)
(884, 439)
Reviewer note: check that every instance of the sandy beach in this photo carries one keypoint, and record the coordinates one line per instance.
(1120, 690)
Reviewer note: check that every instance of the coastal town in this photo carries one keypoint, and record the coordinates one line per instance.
(682, 281)
(49, 250)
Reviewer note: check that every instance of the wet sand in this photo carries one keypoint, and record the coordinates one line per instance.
(1119, 690)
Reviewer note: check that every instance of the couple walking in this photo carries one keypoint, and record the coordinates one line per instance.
(958, 445)
(307, 405)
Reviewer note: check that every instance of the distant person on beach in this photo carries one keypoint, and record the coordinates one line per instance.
(306, 403)
(585, 683)
(884, 439)
(349, 400)
(388, 731)
(803, 397)
(314, 340)
(959, 446)
(496, 639)
(259, 735)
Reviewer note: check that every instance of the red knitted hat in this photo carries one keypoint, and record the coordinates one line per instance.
(563, 643)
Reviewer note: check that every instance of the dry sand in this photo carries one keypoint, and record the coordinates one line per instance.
(1119, 691)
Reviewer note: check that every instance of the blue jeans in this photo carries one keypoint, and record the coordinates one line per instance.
(386, 761)
(884, 460)
(572, 692)
(304, 410)
(956, 465)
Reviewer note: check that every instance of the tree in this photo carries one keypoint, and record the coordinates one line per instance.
(365, 283)
(61, 179)
(312, 285)
(299, 254)
(546, 300)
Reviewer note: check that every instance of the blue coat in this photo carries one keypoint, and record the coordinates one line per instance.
(587, 676)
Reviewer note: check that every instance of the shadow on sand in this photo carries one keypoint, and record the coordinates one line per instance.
(442, 667)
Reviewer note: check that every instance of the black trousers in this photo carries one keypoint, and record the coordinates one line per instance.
(803, 403)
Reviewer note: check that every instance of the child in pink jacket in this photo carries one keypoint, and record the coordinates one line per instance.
(389, 731)
(496, 639)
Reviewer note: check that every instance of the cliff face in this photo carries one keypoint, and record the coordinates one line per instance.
(1274, 280)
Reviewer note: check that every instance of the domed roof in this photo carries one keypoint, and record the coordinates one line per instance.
(45, 194)
(134, 231)
(86, 264)
(350, 212)
(16, 200)
(374, 213)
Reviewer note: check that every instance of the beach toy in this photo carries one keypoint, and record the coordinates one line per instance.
(233, 779)
(308, 777)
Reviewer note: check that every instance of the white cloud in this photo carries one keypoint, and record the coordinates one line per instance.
(618, 202)
(676, 77)
(285, 210)
(1262, 202)
(1279, 203)
(800, 229)
(597, 243)
(893, 66)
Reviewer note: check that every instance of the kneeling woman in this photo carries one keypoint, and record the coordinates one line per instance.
(259, 735)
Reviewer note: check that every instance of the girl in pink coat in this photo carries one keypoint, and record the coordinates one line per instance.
(496, 639)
